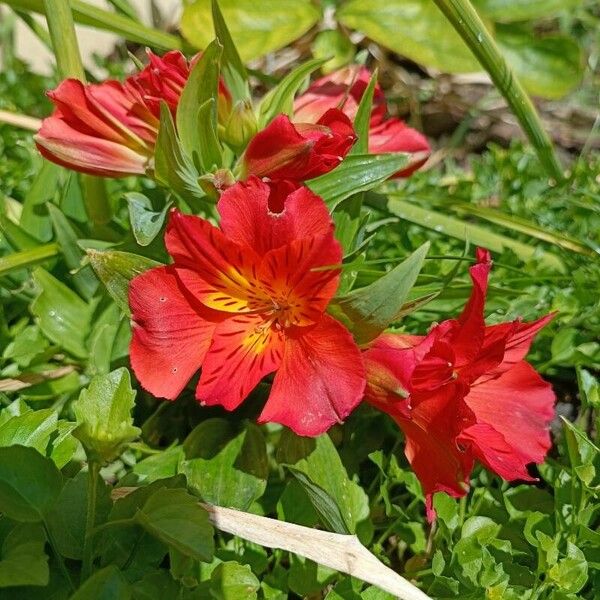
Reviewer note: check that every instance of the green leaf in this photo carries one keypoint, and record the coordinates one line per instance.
(84, 279)
(457, 228)
(571, 573)
(32, 429)
(357, 173)
(257, 28)
(116, 269)
(549, 66)
(406, 27)
(145, 223)
(90, 15)
(67, 520)
(373, 308)
(232, 67)
(362, 120)
(105, 584)
(319, 461)
(22, 557)
(209, 149)
(26, 259)
(64, 445)
(29, 484)
(335, 46)
(173, 168)
(589, 388)
(34, 218)
(103, 413)
(202, 85)
(225, 467)
(508, 11)
(26, 346)
(232, 581)
(177, 519)
(280, 99)
(61, 314)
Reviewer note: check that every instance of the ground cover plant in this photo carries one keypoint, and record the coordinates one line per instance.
(261, 337)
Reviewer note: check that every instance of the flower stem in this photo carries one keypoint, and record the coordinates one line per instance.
(464, 18)
(90, 522)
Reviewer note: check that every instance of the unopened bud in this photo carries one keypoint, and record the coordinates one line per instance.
(241, 126)
(214, 184)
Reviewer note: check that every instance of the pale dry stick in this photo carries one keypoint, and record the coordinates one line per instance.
(22, 121)
(344, 553)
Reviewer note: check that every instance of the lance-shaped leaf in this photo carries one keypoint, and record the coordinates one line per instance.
(362, 120)
(116, 269)
(202, 85)
(371, 309)
(145, 222)
(103, 413)
(357, 173)
(281, 98)
(209, 149)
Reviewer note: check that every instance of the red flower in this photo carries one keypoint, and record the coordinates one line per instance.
(110, 128)
(245, 300)
(344, 89)
(299, 151)
(464, 393)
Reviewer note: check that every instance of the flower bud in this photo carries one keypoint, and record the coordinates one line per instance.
(241, 126)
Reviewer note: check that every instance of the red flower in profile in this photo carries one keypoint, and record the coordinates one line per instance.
(464, 393)
(344, 89)
(246, 300)
(110, 128)
(299, 151)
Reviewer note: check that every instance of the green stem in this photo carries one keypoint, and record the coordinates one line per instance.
(90, 522)
(464, 18)
(59, 558)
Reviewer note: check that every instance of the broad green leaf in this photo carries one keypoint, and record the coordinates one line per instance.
(177, 519)
(319, 461)
(202, 85)
(232, 581)
(103, 413)
(116, 269)
(105, 584)
(145, 222)
(549, 66)
(459, 229)
(508, 11)
(84, 280)
(362, 120)
(61, 314)
(280, 99)
(22, 557)
(257, 28)
(356, 173)
(413, 28)
(173, 168)
(373, 308)
(335, 46)
(32, 429)
(225, 467)
(34, 218)
(64, 445)
(88, 14)
(29, 484)
(67, 520)
(294, 506)
(26, 259)
(571, 573)
(232, 67)
(26, 346)
(589, 388)
(159, 466)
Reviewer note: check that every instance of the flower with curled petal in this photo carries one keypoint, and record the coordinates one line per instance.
(248, 299)
(464, 393)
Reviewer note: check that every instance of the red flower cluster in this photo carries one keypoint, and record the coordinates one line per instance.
(245, 300)
(464, 393)
(344, 89)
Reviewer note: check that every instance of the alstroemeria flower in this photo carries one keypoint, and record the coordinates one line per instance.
(464, 393)
(110, 128)
(245, 300)
(344, 89)
(299, 151)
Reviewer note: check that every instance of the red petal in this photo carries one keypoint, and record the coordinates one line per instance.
(171, 332)
(250, 215)
(217, 271)
(320, 381)
(291, 275)
(243, 351)
(518, 405)
(393, 135)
